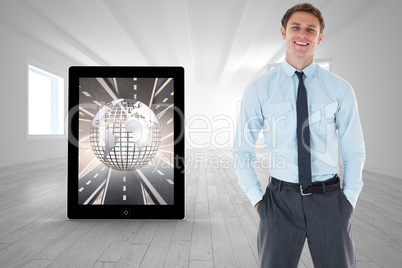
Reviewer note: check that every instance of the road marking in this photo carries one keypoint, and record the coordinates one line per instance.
(115, 85)
(124, 188)
(107, 185)
(170, 181)
(160, 173)
(103, 169)
(164, 111)
(124, 179)
(143, 194)
(88, 182)
(88, 168)
(165, 160)
(94, 193)
(107, 88)
(86, 93)
(80, 190)
(151, 188)
(167, 136)
(124, 198)
(163, 86)
(97, 103)
(86, 111)
(96, 175)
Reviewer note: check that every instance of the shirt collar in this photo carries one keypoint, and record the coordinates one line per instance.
(290, 70)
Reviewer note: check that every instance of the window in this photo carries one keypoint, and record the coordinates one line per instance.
(325, 64)
(45, 102)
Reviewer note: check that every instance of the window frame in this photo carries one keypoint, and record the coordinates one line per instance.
(320, 62)
(51, 72)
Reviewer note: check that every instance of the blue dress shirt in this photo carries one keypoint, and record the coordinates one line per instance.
(269, 104)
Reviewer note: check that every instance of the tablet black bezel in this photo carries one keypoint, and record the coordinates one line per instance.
(76, 211)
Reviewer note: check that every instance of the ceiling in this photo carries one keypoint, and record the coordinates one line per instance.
(216, 41)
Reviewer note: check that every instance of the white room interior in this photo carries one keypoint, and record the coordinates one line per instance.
(222, 44)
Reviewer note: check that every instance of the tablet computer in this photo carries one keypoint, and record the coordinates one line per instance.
(126, 143)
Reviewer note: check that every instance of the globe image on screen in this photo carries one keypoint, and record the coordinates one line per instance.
(125, 134)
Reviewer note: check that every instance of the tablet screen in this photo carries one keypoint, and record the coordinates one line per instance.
(126, 141)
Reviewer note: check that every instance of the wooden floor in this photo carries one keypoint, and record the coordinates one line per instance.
(219, 231)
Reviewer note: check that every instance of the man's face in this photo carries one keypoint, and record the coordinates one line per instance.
(302, 35)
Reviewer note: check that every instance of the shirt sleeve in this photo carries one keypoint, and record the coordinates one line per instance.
(250, 122)
(351, 144)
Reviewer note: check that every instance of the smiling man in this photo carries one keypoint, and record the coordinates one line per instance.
(303, 110)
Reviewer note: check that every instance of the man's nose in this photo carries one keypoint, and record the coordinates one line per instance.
(303, 34)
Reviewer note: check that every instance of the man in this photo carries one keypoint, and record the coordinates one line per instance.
(302, 110)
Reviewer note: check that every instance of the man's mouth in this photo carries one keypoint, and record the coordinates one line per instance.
(301, 43)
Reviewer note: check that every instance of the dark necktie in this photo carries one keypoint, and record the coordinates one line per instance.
(303, 135)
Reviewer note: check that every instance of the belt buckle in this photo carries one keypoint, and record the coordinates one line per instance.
(302, 192)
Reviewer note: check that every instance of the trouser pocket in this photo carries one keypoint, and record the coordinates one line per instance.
(262, 206)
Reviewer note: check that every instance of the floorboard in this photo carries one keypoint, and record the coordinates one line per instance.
(220, 229)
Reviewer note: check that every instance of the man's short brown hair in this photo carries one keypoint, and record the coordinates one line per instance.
(306, 7)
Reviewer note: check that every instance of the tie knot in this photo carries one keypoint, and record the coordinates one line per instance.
(300, 75)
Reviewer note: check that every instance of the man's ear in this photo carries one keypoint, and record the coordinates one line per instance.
(320, 38)
(283, 32)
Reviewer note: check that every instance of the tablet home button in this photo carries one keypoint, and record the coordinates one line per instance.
(125, 212)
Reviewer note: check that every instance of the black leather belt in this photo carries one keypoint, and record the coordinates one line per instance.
(330, 185)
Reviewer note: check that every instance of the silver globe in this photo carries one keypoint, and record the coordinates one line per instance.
(125, 134)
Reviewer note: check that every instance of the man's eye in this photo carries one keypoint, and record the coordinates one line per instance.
(296, 27)
(310, 30)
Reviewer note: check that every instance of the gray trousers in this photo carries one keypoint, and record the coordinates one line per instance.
(287, 218)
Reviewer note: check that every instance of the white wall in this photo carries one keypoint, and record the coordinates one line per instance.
(211, 114)
(367, 53)
(18, 49)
